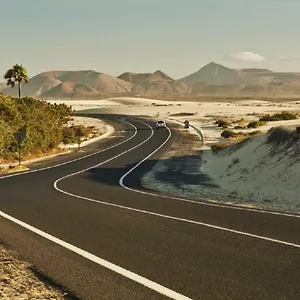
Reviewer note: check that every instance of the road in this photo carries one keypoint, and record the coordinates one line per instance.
(100, 236)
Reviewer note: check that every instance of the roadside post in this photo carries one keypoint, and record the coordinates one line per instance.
(20, 136)
(186, 125)
(78, 134)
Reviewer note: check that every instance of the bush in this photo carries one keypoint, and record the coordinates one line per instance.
(68, 136)
(235, 160)
(183, 114)
(228, 133)
(279, 117)
(42, 121)
(69, 133)
(222, 123)
(256, 124)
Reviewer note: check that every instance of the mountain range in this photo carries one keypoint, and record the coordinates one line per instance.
(212, 79)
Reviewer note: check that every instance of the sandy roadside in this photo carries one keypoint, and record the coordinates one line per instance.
(18, 282)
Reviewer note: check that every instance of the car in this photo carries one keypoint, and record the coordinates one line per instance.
(161, 124)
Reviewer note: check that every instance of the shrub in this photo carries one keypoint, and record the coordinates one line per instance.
(256, 124)
(68, 135)
(43, 122)
(228, 133)
(235, 160)
(183, 114)
(279, 117)
(222, 123)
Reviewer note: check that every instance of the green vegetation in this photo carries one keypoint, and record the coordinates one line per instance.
(183, 114)
(43, 123)
(283, 116)
(69, 133)
(256, 124)
(233, 139)
(227, 134)
(222, 123)
(16, 75)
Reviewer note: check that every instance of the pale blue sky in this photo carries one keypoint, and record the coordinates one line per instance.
(175, 36)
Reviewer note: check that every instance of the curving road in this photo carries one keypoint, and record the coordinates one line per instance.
(89, 226)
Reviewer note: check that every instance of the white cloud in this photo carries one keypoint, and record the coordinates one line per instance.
(246, 56)
(289, 58)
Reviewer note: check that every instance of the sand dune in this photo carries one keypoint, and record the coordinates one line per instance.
(263, 171)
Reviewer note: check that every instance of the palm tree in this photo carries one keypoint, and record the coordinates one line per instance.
(16, 75)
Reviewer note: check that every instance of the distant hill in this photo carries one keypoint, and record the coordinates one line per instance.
(214, 74)
(38, 85)
(159, 87)
(137, 78)
(212, 79)
(70, 84)
(156, 83)
(70, 89)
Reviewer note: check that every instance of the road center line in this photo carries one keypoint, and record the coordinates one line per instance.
(76, 159)
(113, 267)
(157, 214)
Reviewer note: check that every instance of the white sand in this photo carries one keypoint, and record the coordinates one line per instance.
(263, 174)
(101, 131)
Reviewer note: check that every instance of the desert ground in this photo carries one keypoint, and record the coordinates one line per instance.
(253, 175)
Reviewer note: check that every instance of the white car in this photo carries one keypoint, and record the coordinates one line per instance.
(161, 124)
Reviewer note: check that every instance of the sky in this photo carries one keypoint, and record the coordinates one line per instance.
(175, 36)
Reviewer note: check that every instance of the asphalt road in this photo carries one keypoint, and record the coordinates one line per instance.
(172, 247)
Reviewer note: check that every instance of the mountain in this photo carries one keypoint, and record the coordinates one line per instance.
(71, 84)
(70, 89)
(212, 79)
(137, 78)
(214, 74)
(37, 85)
(156, 83)
(159, 88)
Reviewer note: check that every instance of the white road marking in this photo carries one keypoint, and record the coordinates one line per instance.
(103, 162)
(153, 194)
(106, 264)
(74, 160)
(128, 274)
(121, 182)
(183, 220)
